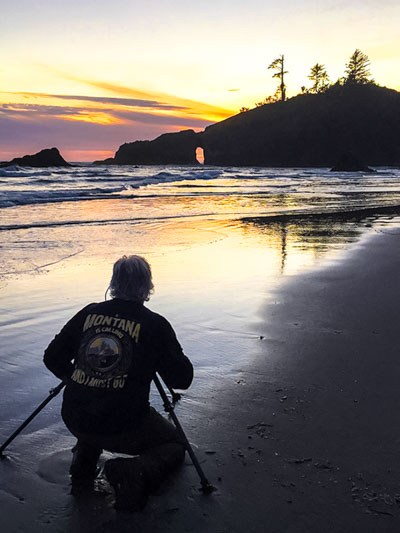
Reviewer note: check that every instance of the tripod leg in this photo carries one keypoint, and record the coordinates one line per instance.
(205, 484)
(52, 394)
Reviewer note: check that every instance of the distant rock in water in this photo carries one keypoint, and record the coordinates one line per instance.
(168, 149)
(350, 163)
(108, 161)
(49, 157)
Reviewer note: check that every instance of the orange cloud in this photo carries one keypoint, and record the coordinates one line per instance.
(95, 110)
(207, 112)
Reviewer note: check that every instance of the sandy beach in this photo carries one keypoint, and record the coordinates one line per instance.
(299, 433)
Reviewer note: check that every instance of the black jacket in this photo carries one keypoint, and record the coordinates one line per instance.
(108, 353)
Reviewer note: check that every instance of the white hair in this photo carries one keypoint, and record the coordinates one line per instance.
(131, 279)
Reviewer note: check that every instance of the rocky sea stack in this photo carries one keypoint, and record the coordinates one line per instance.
(49, 157)
(349, 163)
(168, 149)
(309, 130)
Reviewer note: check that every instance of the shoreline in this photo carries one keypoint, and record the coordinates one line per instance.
(298, 437)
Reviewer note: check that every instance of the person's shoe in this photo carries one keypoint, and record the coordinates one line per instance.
(128, 480)
(83, 469)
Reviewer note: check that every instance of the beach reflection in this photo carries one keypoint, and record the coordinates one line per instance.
(212, 273)
(315, 238)
(179, 249)
(211, 276)
(303, 243)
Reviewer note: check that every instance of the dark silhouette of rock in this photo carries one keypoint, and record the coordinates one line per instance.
(108, 161)
(50, 157)
(349, 163)
(168, 149)
(311, 130)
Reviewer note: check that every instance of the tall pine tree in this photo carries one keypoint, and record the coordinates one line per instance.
(357, 69)
(279, 65)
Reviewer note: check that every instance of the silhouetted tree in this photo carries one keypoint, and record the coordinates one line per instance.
(320, 79)
(357, 69)
(244, 109)
(279, 65)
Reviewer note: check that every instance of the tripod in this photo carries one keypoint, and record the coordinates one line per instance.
(206, 487)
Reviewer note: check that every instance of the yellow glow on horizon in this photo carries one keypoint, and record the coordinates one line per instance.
(82, 155)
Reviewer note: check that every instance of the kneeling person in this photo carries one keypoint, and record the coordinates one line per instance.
(108, 354)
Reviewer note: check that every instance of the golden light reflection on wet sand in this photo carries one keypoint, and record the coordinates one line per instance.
(212, 278)
(183, 252)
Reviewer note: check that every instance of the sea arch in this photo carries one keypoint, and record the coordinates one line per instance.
(200, 155)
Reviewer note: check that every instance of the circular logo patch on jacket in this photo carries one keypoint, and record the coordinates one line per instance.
(103, 353)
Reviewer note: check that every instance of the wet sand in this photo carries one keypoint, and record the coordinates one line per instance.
(300, 436)
(314, 420)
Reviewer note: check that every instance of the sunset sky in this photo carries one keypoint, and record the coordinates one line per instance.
(88, 75)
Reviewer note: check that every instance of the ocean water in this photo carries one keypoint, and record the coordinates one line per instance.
(192, 191)
(220, 241)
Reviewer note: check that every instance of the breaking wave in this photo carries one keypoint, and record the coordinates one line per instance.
(238, 191)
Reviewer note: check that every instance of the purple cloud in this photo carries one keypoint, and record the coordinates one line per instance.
(39, 110)
(130, 102)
